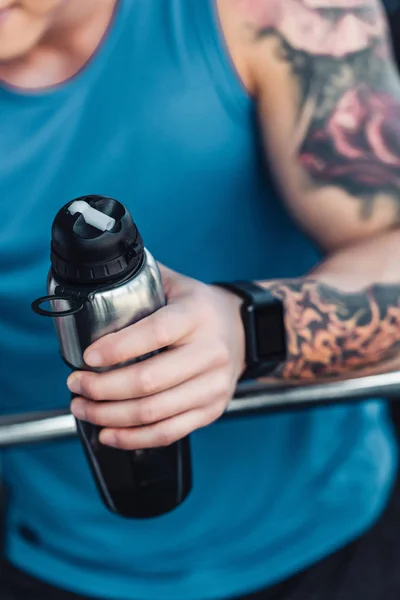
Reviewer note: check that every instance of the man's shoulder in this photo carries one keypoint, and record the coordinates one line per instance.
(331, 28)
(236, 18)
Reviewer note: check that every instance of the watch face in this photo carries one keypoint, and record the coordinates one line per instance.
(270, 332)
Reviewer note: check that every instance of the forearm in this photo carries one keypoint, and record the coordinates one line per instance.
(345, 315)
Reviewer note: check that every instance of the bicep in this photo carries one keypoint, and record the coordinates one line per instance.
(329, 107)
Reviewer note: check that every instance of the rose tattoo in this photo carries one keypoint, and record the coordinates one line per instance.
(348, 125)
(359, 145)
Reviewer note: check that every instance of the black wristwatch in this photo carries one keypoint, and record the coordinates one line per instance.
(263, 322)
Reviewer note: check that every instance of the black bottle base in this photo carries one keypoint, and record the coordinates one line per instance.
(138, 484)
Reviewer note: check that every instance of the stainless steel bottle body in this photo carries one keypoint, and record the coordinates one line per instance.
(105, 310)
(134, 483)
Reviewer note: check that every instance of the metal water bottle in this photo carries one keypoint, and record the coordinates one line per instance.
(101, 280)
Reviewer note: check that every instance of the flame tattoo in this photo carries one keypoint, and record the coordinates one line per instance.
(330, 332)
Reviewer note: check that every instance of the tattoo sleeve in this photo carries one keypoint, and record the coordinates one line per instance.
(346, 136)
(348, 120)
(331, 333)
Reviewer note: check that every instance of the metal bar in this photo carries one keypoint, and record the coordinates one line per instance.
(257, 398)
(250, 398)
(33, 428)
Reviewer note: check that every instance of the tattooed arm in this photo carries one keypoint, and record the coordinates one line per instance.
(345, 316)
(329, 106)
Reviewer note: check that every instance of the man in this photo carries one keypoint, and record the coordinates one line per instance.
(168, 106)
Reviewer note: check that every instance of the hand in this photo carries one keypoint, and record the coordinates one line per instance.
(163, 398)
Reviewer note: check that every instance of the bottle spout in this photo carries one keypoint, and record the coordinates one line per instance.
(94, 241)
(91, 215)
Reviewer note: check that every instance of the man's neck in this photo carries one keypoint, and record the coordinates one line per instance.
(65, 48)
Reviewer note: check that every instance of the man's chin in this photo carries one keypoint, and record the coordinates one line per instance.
(11, 53)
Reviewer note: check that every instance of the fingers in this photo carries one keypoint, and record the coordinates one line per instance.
(163, 328)
(151, 376)
(163, 433)
(209, 389)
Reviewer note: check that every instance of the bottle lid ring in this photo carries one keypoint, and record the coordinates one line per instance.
(76, 306)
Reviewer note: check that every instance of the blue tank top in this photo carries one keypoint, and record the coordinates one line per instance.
(159, 120)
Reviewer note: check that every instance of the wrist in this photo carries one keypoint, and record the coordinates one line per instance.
(262, 319)
(235, 304)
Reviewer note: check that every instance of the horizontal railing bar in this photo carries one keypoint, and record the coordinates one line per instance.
(250, 398)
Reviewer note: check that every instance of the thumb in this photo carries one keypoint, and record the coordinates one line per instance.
(174, 283)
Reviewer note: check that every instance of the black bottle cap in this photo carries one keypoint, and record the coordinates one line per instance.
(90, 247)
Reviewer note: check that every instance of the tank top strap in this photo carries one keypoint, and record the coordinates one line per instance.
(204, 21)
